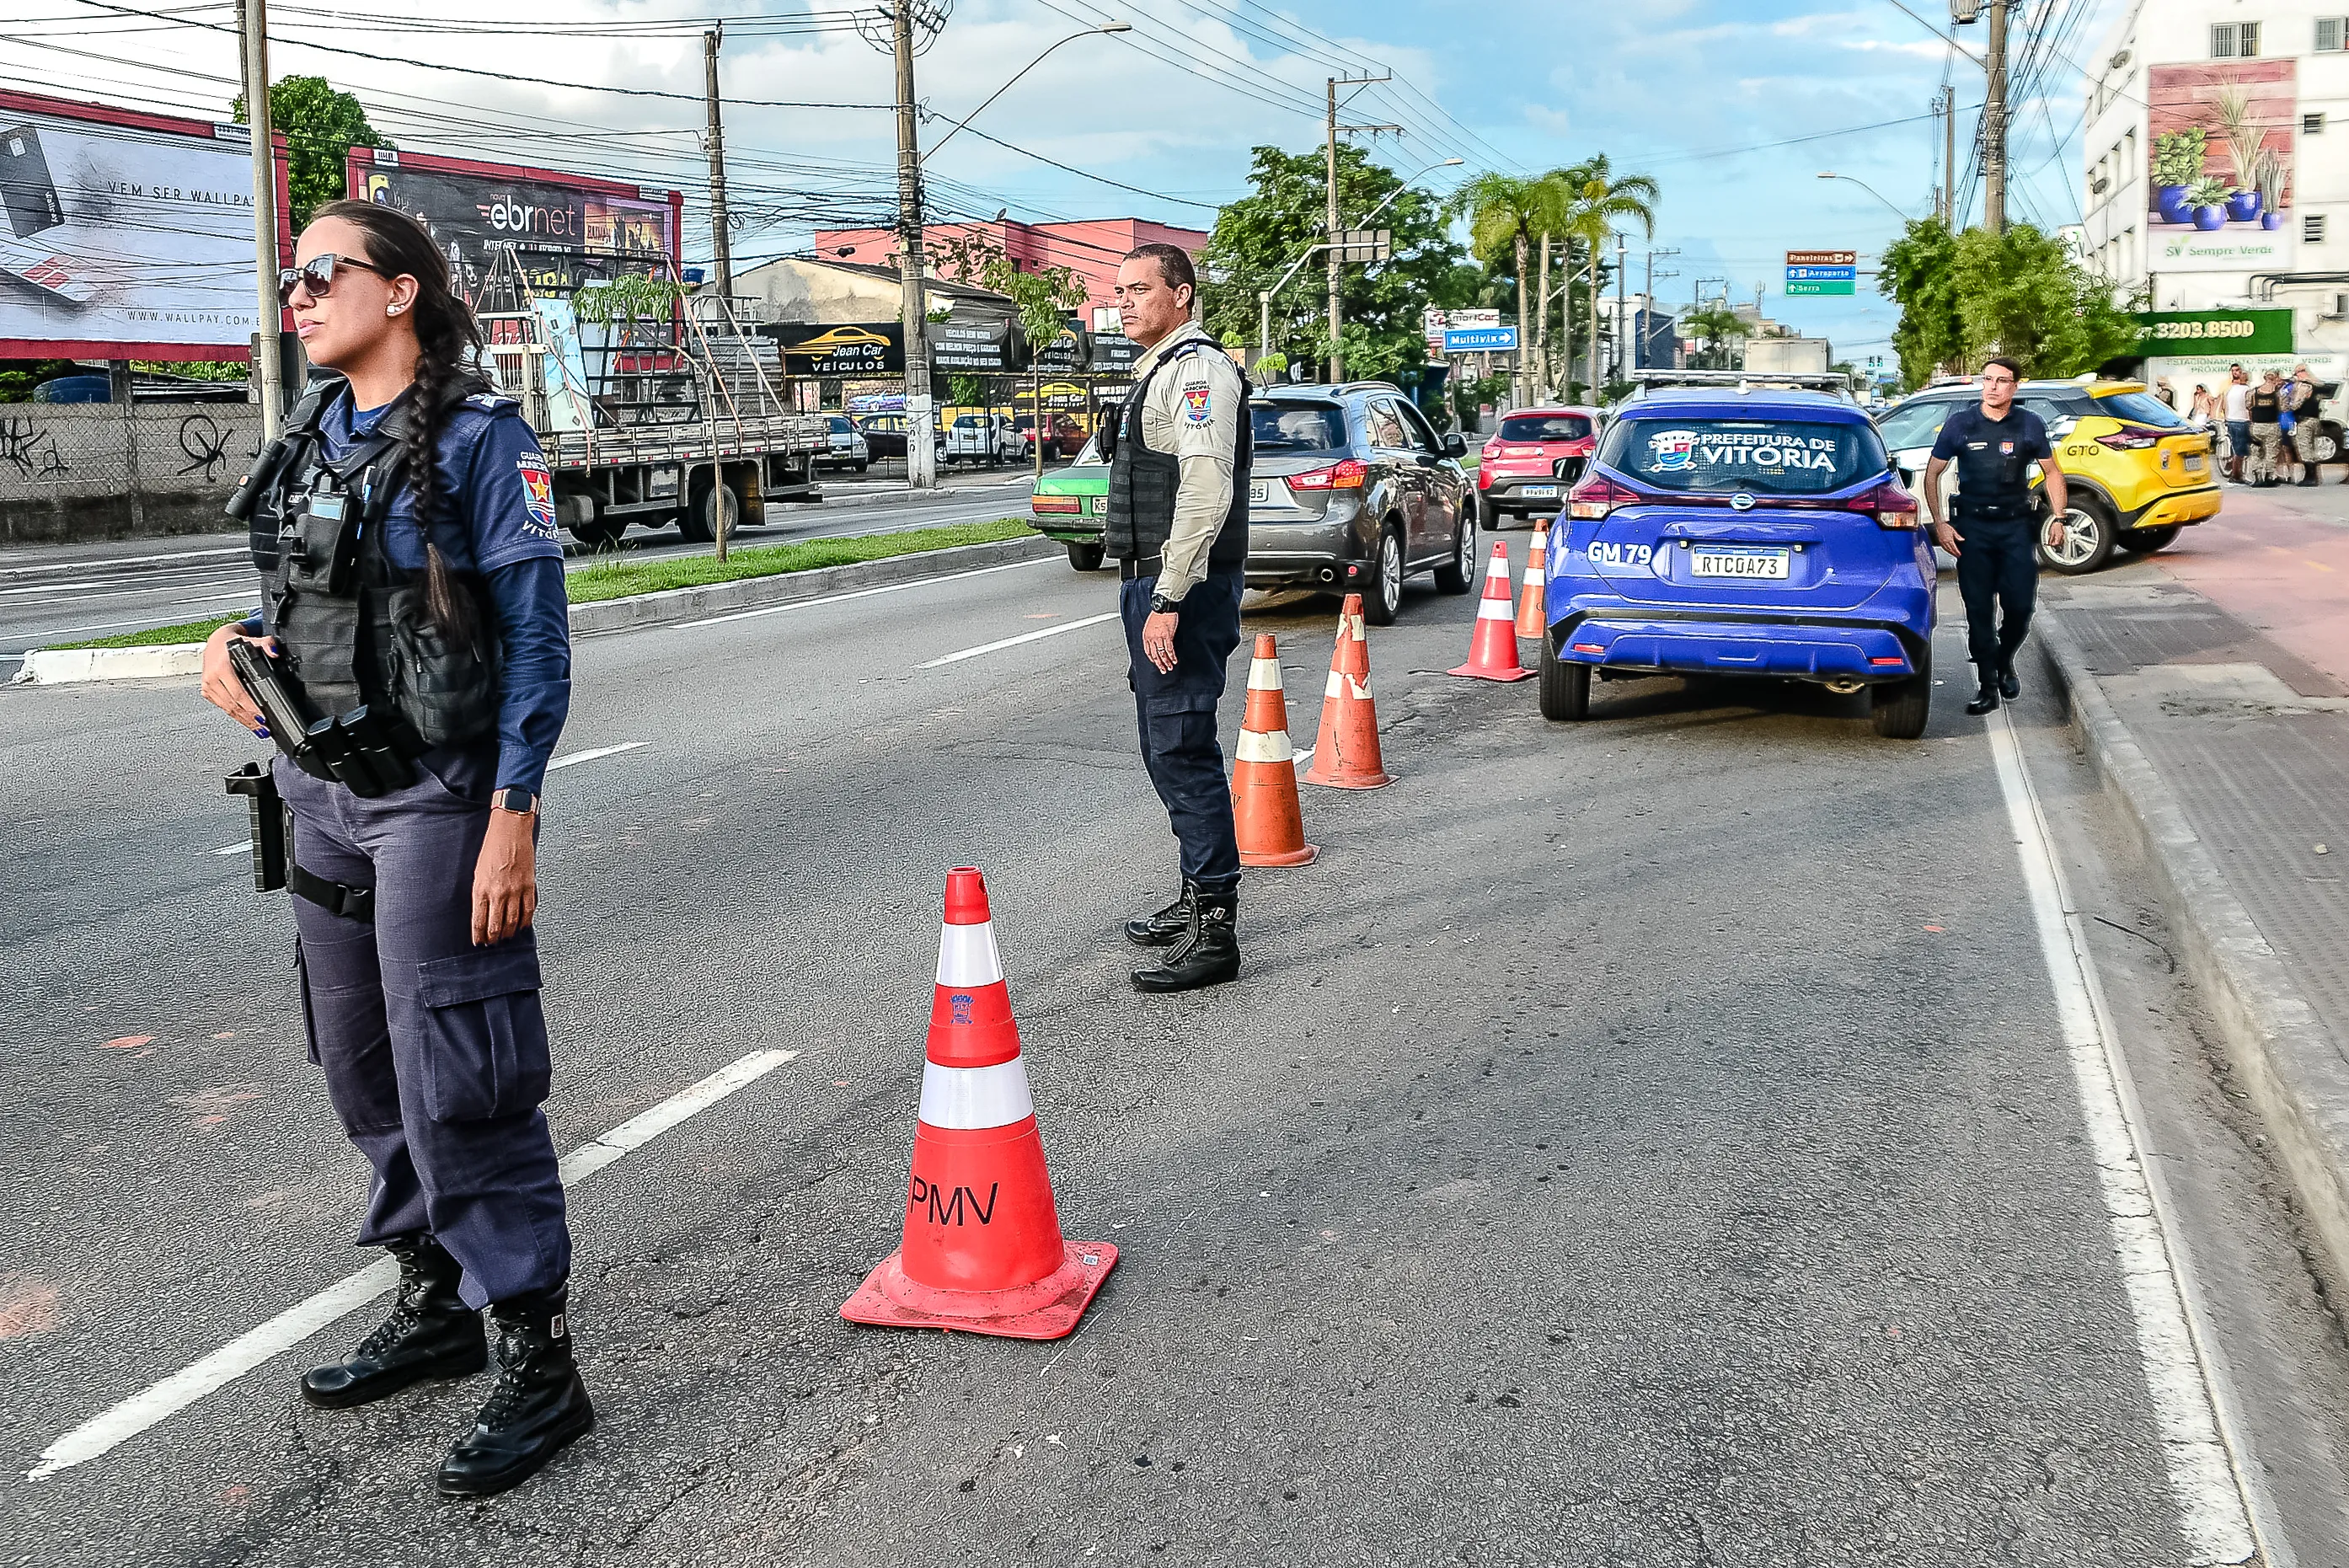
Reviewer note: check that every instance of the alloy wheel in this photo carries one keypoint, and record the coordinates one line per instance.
(2081, 538)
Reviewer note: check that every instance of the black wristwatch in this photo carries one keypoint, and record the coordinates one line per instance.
(514, 799)
(1161, 604)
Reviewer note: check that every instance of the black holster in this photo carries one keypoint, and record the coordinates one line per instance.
(360, 749)
(272, 825)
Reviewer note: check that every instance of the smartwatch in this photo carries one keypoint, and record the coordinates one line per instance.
(519, 801)
(1161, 604)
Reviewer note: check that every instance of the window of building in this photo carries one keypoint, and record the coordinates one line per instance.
(2312, 228)
(2332, 34)
(2234, 40)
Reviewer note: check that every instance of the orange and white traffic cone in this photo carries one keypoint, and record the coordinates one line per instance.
(1346, 751)
(982, 1250)
(1493, 651)
(1532, 622)
(1265, 814)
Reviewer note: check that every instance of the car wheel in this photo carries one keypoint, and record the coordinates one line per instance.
(2085, 542)
(862, 466)
(1900, 708)
(1384, 600)
(1564, 687)
(2145, 541)
(1085, 558)
(1458, 575)
(2325, 445)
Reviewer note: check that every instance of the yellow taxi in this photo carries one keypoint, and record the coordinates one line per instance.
(2135, 471)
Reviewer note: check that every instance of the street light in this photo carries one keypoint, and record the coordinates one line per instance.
(1264, 297)
(1831, 175)
(998, 92)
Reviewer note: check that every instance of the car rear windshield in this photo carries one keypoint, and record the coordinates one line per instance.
(1286, 427)
(839, 425)
(1545, 427)
(2140, 408)
(1768, 457)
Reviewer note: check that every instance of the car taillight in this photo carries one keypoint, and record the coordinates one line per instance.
(1892, 506)
(1597, 496)
(1345, 476)
(1484, 477)
(1043, 503)
(2132, 438)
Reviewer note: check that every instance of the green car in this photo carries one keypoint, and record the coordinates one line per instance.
(1070, 504)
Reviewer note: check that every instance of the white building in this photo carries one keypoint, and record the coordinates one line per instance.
(2216, 148)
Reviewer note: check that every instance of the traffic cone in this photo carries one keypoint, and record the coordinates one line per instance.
(1532, 620)
(1493, 651)
(982, 1250)
(1264, 812)
(1346, 751)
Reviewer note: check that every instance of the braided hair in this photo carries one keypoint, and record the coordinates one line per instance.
(449, 346)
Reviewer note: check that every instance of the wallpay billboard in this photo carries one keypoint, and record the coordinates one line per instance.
(125, 235)
(563, 229)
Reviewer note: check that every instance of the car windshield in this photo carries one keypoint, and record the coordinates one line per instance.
(839, 425)
(966, 423)
(2143, 408)
(1545, 427)
(1298, 427)
(1916, 424)
(1768, 457)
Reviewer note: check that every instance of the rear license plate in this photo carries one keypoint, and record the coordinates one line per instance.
(1097, 504)
(2194, 462)
(1550, 490)
(1738, 563)
(1257, 495)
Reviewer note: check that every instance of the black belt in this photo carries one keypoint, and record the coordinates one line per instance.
(335, 898)
(1130, 568)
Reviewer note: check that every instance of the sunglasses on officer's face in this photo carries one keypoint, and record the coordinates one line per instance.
(318, 277)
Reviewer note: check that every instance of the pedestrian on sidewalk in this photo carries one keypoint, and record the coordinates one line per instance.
(2236, 403)
(412, 590)
(2199, 414)
(1994, 535)
(1179, 450)
(2266, 407)
(2305, 405)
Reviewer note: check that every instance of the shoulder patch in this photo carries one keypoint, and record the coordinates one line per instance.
(1198, 405)
(538, 495)
(491, 402)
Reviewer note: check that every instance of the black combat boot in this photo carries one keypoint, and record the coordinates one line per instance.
(2008, 686)
(538, 1405)
(1169, 925)
(2310, 477)
(1985, 701)
(1208, 952)
(430, 1333)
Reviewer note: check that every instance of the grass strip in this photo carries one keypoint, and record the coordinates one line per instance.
(618, 576)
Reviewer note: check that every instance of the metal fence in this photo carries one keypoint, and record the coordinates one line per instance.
(90, 471)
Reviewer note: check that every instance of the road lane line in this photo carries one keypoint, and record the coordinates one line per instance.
(838, 598)
(1305, 757)
(233, 849)
(1016, 641)
(289, 1328)
(577, 757)
(2222, 1510)
(100, 564)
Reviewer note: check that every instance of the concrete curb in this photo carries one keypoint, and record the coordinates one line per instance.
(894, 497)
(2281, 1051)
(72, 666)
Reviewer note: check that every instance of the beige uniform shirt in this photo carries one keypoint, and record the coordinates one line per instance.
(1193, 412)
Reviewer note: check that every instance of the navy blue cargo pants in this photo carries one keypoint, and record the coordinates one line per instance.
(435, 1051)
(1178, 715)
(1998, 570)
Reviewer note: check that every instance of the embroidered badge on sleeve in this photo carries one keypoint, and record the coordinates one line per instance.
(1198, 405)
(538, 494)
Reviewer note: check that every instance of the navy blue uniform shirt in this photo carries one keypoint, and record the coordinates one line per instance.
(1993, 456)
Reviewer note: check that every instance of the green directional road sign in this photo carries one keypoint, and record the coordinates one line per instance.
(1845, 286)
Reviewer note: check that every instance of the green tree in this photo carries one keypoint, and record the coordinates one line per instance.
(1041, 296)
(320, 126)
(1508, 215)
(1965, 296)
(1716, 327)
(1919, 270)
(1598, 201)
(1257, 238)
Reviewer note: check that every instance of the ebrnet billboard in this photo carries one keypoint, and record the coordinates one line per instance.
(124, 235)
(563, 229)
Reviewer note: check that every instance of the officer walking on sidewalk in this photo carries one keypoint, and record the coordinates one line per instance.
(1994, 534)
(414, 609)
(1177, 523)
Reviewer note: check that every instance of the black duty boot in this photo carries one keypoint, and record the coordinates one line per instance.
(430, 1334)
(2008, 686)
(2310, 477)
(1985, 701)
(1208, 952)
(1169, 925)
(538, 1405)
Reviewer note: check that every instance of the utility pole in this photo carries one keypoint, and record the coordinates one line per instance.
(921, 456)
(1622, 290)
(1994, 123)
(268, 363)
(1639, 357)
(722, 242)
(1337, 307)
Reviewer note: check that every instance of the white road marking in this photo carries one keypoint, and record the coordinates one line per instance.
(233, 849)
(289, 1328)
(1304, 758)
(1016, 641)
(855, 593)
(2215, 1495)
(101, 563)
(577, 757)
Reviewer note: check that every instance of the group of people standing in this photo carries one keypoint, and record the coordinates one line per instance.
(2267, 424)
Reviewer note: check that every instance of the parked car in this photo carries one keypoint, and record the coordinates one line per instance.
(1532, 460)
(844, 445)
(2134, 471)
(1755, 533)
(986, 439)
(1353, 489)
(1070, 504)
(1062, 435)
(885, 436)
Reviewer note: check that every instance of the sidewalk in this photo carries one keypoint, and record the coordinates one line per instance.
(2211, 684)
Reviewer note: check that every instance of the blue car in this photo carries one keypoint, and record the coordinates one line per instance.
(1729, 532)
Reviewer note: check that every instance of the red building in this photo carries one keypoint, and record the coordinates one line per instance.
(1091, 249)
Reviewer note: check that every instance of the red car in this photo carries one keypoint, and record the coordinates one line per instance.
(1533, 459)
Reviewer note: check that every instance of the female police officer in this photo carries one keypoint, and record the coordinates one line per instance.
(413, 583)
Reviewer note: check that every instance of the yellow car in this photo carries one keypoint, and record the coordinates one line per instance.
(2134, 472)
(824, 343)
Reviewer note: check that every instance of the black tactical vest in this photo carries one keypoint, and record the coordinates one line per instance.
(352, 628)
(1993, 476)
(1142, 483)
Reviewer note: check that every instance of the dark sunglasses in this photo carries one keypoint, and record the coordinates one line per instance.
(318, 277)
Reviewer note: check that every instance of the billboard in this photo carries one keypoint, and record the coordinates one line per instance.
(2222, 185)
(858, 350)
(125, 235)
(563, 229)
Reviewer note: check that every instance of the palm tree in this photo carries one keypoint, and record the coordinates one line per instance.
(1509, 213)
(1716, 325)
(1598, 201)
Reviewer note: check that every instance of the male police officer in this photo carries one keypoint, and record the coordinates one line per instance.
(1177, 522)
(1998, 552)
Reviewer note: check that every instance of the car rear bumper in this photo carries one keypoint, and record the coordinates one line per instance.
(1509, 489)
(1326, 554)
(1640, 641)
(2176, 509)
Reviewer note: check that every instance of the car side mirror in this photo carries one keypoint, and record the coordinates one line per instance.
(1453, 446)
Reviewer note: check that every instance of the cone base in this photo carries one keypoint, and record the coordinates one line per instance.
(1353, 781)
(1049, 1309)
(1293, 858)
(1476, 672)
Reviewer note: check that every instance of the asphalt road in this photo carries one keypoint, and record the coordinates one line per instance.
(1647, 1142)
(57, 593)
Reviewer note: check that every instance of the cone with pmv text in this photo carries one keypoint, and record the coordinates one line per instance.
(1346, 751)
(1531, 620)
(1265, 812)
(983, 1250)
(1493, 651)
